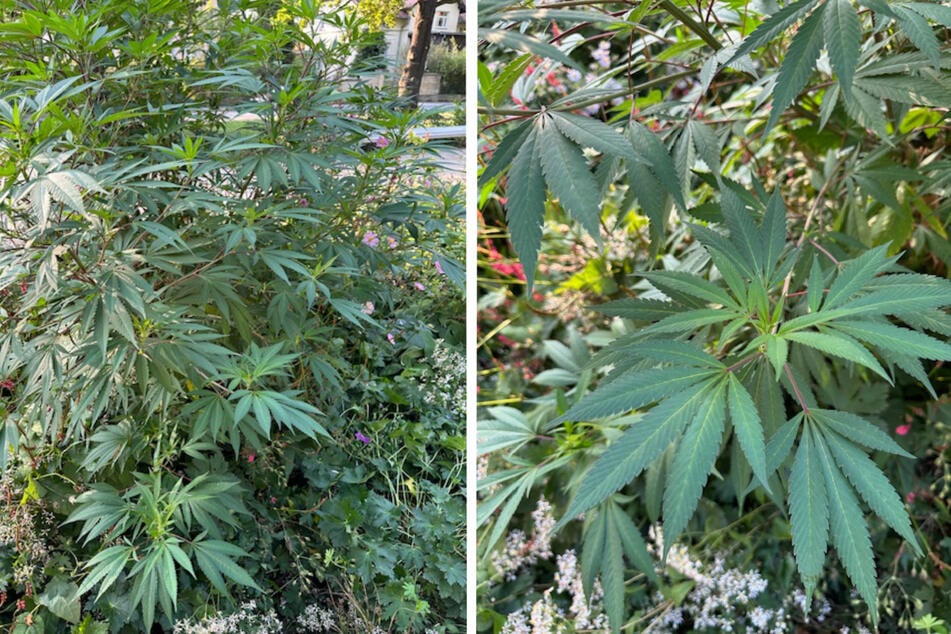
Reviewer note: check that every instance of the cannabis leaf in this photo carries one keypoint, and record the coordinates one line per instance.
(689, 368)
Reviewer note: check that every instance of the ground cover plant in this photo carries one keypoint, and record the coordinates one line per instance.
(231, 389)
(713, 327)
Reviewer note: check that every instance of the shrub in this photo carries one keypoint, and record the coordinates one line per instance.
(216, 295)
(450, 63)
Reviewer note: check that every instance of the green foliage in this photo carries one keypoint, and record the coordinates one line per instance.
(223, 262)
(753, 346)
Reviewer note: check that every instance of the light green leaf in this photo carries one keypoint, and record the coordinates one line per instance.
(841, 346)
(748, 428)
(506, 427)
(678, 352)
(883, 334)
(843, 35)
(693, 285)
(591, 133)
(809, 512)
(502, 83)
(633, 390)
(849, 531)
(630, 454)
(777, 351)
(855, 274)
(798, 64)
(693, 462)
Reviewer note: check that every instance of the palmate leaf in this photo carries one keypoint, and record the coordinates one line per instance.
(693, 462)
(568, 176)
(858, 430)
(505, 152)
(640, 445)
(883, 334)
(843, 35)
(633, 390)
(748, 428)
(773, 26)
(525, 208)
(588, 132)
(798, 64)
(842, 346)
(809, 512)
(609, 537)
(849, 530)
(872, 485)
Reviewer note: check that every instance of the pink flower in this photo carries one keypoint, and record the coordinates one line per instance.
(381, 142)
(439, 267)
(391, 338)
(391, 241)
(902, 430)
(251, 457)
(371, 239)
(368, 308)
(419, 286)
(910, 497)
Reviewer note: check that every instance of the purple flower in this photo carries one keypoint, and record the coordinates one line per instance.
(371, 239)
(362, 438)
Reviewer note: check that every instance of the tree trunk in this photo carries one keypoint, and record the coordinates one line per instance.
(412, 75)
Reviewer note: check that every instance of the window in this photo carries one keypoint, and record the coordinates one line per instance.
(442, 20)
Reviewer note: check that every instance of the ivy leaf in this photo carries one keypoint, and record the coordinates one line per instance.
(809, 512)
(843, 35)
(525, 209)
(798, 64)
(693, 462)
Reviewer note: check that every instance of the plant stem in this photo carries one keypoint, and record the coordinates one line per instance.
(799, 397)
(515, 112)
(691, 24)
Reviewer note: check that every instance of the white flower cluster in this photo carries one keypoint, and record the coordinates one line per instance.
(316, 619)
(545, 616)
(521, 551)
(246, 620)
(444, 384)
(724, 599)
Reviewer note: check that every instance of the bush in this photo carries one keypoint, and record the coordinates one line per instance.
(228, 332)
(450, 63)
